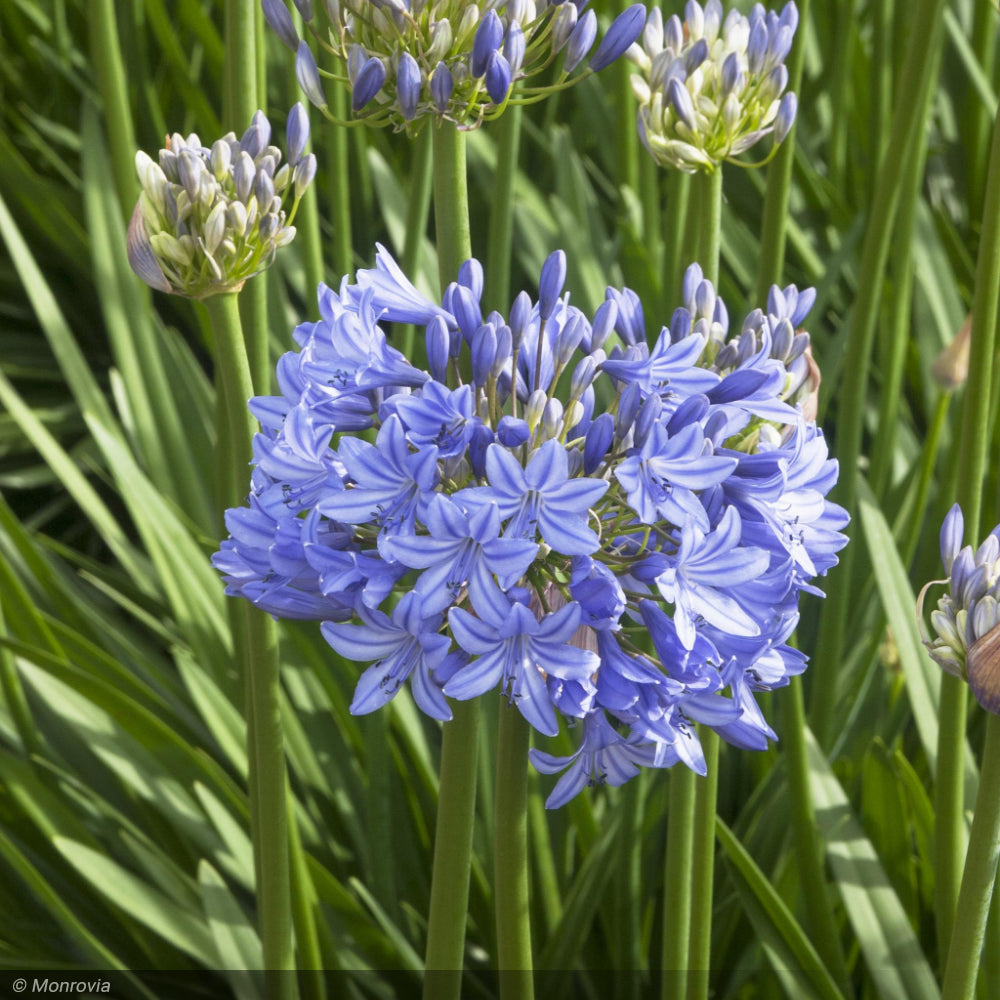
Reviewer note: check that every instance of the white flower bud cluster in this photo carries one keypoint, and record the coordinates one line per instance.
(710, 87)
(965, 638)
(209, 218)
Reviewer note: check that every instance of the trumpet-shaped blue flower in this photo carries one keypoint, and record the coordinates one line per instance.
(540, 497)
(514, 649)
(403, 646)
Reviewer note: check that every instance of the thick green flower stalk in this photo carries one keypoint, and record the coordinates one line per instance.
(711, 88)
(207, 220)
(210, 218)
(405, 61)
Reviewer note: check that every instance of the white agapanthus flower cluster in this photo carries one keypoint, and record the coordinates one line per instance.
(710, 87)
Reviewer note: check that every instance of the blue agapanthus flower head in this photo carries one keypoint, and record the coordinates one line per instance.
(606, 531)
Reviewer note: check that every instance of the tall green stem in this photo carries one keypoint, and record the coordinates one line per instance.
(677, 883)
(899, 339)
(451, 202)
(508, 132)
(918, 79)
(691, 820)
(459, 741)
(975, 437)
(675, 216)
(706, 790)
(417, 210)
(709, 202)
(703, 868)
(979, 877)
(452, 854)
(771, 262)
(510, 856)
(339, 173)
(266, 752)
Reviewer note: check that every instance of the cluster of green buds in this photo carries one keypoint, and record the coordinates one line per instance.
(409, 60)
(710, 88)
(966, 637)
(209, 218)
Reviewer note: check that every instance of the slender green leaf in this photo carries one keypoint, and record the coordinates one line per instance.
(891, 950)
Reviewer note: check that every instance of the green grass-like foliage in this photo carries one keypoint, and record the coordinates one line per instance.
(124, 821)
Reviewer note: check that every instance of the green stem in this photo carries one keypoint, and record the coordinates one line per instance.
(949, 818)
(459, 742)
(898, 342)
(918, 79)
(675, 217)
(703, 868)
(650, 197)
(706, 790)
(510, 856)
(628, 888)
(508, 132)
(976, 116)
(975, 438)
(452, 854)
(709, 218)
(771, 262)
(106, 58)
(687, 896)
(677, 883)
(240, 98)
(337, 149)
(451, 202)
(417, 210)
(266, 751)
(979, 876)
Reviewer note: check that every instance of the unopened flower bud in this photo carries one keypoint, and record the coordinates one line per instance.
(368, 83)
(307, 73)
(408, 85)
(489, 37)
(280, 22)
(624, 30)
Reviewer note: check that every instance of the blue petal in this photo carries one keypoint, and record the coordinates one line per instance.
(362, 642)
(479, 676)
(568, 535)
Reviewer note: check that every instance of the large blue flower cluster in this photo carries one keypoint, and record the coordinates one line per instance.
(603, 530)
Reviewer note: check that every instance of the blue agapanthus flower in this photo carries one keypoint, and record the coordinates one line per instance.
(606, 532)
